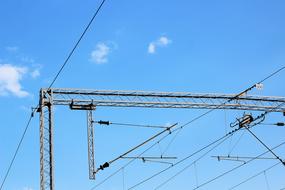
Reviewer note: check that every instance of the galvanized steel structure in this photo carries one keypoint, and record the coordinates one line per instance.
(80, 99)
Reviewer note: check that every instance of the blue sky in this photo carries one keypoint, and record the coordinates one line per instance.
(193, 46)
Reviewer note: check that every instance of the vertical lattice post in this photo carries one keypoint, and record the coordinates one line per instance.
(46, 142)
(90, 137)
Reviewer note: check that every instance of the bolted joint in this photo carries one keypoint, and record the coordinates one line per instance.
(168, 129)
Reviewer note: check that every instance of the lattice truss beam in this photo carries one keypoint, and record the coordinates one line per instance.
(116, 98)
(80, 99)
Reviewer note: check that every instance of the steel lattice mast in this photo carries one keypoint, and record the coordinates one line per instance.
(80, 99)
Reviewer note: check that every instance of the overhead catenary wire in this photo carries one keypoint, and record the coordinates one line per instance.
(191, 121)
(280, 124)
(271, 75)
(131, 161)
(106, 164)
(129, 124)
(192, 163)
(170, 142)
(77, 43)
(217, 107)
(185, 158)
(266, 180)
(226, 129)
(158, 173)
(237, 167)
(196, 174)
(160, 149)
(230, 133)
(61, 71)
(206, 113)
(16, 152)
(253, 176)
(236, 143)
(123, 176)
(52, 83)
(271, 151)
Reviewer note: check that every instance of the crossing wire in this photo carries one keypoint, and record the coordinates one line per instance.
(52, 83)
(267, 183)
(16, 152)
(277, 157)
(189, 122)
(63, 66)
(131, 161)
(234, 146)
(222, 139)
(158, 173)
(194, 162)
(253, 176)
(237, 167)
(106, 164)
(229, 100)
(196, 175)
(77, 43)
(123, 176)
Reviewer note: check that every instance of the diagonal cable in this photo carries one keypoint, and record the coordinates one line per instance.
(53, 81)
(271, 151)
(237, 167)
(253, 176)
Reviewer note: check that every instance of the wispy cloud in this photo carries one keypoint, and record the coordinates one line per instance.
(162, 41)
(20, 56)
(100, 54)
(27, 188)
(35, 73)
(12, 48)
(10, 77)
(27, 59)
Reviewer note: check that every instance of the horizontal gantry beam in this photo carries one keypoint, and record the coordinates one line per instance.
(115, 98)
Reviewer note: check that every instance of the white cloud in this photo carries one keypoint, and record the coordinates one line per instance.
(35, 73)
(162, 41)
(151, 48)
(100, 54)
(10, 77)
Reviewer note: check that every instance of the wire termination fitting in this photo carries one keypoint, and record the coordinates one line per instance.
(280, 124)
(103, 122)
(105, 165)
